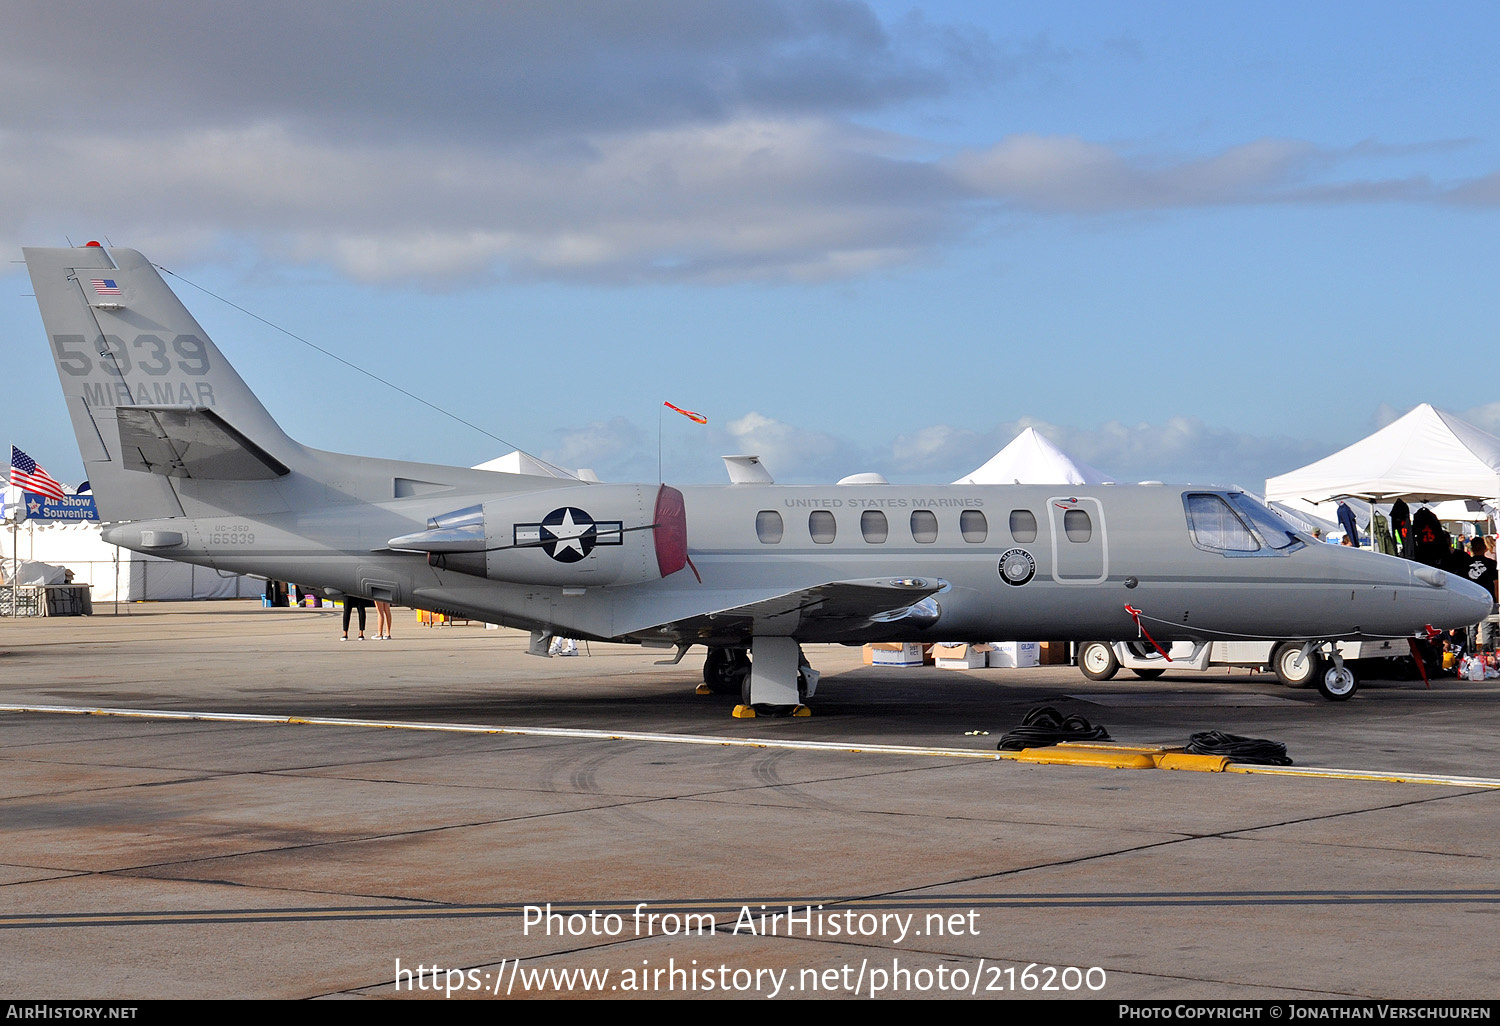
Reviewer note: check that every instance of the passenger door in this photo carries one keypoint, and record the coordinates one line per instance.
(1080, 548)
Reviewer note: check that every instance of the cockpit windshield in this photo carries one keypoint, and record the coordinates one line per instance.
(1235, 524)
(1273, 530)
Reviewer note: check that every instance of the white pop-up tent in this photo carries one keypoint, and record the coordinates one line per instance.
(1031, 459)
(518, 462)
(1426, 456)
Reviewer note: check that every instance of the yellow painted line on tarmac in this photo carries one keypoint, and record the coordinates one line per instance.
(1378, 776)
(1074, 754)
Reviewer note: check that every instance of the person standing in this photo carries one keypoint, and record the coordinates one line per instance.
(1481, 570)
(351, 603)
(382, 620)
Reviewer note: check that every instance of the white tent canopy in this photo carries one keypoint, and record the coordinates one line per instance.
(1426, 456)
(518, 462)
(1031, 459)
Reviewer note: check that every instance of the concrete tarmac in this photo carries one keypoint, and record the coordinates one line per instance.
(145, 857)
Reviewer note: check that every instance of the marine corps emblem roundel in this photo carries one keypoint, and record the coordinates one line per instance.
(1017, 566)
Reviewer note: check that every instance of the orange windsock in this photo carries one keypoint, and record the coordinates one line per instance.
(689, 414)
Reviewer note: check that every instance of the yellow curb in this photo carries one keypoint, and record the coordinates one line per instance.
(1110, 746)
(1186, 761)
(1056, 755)
(1093, 753)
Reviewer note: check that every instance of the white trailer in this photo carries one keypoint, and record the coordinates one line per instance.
(1297, 664)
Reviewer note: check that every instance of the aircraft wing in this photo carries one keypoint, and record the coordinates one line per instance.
(863, 610)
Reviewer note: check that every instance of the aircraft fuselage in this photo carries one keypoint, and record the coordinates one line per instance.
(1010, 566)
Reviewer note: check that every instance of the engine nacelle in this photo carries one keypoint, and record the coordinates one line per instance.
(589, 536)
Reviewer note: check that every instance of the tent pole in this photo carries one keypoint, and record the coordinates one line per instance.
(15, 561)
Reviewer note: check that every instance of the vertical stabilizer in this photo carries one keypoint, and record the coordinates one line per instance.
(131, 358)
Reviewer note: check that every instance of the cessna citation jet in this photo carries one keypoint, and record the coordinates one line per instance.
(186, 463)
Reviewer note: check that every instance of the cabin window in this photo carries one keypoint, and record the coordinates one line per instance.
(1077, 525)
(924, 526)
(1023, 525)
(873, 526)
(974, 526)
(1216, 527)
(768, 526)
(821, 526)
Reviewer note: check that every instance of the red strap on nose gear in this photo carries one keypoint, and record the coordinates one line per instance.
(1135, 614)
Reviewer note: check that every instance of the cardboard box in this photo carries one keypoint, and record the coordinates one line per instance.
(884, 653)
(1054, 653)
(961, 657)
(1015, 653)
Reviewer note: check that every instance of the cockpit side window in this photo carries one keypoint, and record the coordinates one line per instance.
(1216, 527)
(1273, 530)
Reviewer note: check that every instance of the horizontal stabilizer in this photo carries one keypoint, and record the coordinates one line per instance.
(187, 441)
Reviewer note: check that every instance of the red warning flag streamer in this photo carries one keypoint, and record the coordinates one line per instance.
(1136, 615)
(689, 414)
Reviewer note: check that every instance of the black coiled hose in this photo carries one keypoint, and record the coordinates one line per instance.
(1239, 749)
(1045, 726)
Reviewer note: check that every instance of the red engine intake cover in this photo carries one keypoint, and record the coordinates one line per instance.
(671, 531)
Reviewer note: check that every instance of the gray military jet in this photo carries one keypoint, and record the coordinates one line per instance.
(186, 463)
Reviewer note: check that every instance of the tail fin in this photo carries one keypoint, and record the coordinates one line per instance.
(151, 398)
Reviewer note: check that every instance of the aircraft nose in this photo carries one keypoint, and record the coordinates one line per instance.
(1459, 602)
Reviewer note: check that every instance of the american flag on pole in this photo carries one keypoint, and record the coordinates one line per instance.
(27, 476)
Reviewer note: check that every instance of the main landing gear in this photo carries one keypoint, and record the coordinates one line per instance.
(726, 669)
(772, 677)
(1300, 664)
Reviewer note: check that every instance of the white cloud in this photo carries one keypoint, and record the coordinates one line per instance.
(614, 449)
(391, 143)
(1179, 449)
(1486, 417)
(793, 453)
(1072, 175)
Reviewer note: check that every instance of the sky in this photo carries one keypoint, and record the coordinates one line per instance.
(1188, 242)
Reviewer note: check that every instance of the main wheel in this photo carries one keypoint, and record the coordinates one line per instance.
(1149, 674)
(724, 669)
(1337, 683)
(771, 710)
(1290, 672)
(1097, 661)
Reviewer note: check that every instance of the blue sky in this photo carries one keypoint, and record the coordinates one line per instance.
(1188, 242)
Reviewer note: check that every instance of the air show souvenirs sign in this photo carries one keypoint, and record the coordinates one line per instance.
(1017, 566)
(568, 534)
(75, 508)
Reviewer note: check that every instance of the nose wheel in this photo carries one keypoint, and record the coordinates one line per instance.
(1337, 682)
